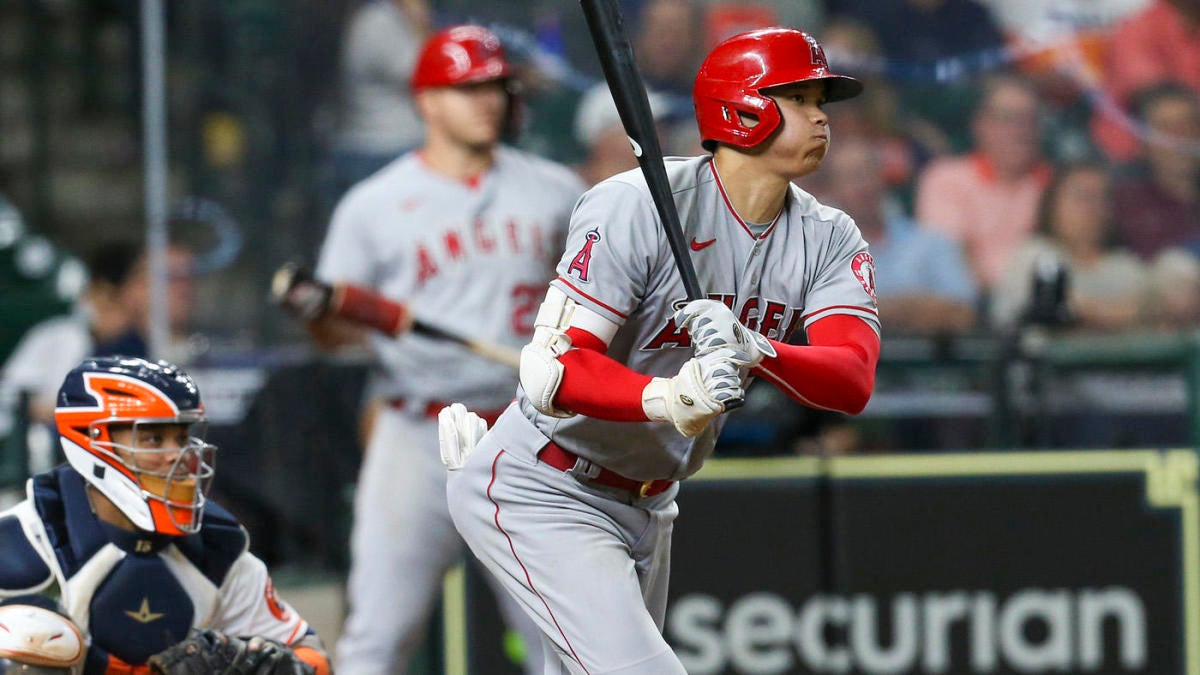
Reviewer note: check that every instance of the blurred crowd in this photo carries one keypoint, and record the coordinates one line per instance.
(1012, 162)
(1001, 146)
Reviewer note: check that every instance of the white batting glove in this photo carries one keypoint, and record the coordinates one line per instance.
(713, 326)
(459, 430)
(691, 399)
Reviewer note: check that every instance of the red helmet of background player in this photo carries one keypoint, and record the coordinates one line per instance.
(733, 78)
(460, 55)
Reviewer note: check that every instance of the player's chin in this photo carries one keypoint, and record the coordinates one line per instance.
(485, 137)
(808, 161)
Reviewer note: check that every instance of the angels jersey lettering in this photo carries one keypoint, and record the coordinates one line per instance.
(472, 258)
(811, 262)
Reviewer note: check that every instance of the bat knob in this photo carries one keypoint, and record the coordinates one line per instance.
(734, 404)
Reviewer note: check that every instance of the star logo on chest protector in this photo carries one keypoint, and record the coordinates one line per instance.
(143, 613)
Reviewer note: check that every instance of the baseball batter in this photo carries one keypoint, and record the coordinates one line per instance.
(569, 499)
(464, 234)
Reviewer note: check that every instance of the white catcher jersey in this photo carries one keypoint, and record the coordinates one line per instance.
(470, 258)
(811, 262)
(136, 593)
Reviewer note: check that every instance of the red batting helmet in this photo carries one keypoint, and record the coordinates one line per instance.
(733, 77)
(460, 55)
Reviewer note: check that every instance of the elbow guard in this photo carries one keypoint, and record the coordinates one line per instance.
(541, 372)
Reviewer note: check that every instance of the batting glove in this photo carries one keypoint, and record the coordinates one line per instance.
(459, 431)
(294, 288)
(713, 326)
(691, 399)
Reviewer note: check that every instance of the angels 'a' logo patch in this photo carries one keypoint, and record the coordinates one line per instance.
(816, 53)
(863, 267)
(583, 260)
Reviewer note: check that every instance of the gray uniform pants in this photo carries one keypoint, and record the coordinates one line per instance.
(590, 564)
(401, 545)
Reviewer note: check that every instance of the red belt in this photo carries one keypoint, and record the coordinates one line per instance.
(565, 460)
(432, 408)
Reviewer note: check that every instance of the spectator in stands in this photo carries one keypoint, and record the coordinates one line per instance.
(925, 285)
(1173, 295)
(1159, 205)
(726, 18)
(1059, 45)
(111, 319)
(1053, 36)
(905, 142)
(987, 200)
(922, 31)
(379, 120)
(668, 45)
(1075, 228)
(1159, 44)
(932, 48)
(598, 129)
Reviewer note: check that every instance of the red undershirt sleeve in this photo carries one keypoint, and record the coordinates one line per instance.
(835, 371)
(597, 386)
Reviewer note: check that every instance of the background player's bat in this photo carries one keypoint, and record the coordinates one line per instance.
(509, 356)
(629, 93)
(295, 288)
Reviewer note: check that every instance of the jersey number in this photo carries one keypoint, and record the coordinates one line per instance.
(525, 298)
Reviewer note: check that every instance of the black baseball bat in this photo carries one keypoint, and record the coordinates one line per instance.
(629, 93)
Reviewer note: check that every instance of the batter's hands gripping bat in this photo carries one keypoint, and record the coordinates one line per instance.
(294, 288)
(629, 93)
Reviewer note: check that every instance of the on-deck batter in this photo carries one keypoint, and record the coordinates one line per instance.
(465, 233)
(569, 500)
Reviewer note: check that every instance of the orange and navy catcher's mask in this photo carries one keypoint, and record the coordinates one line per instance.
(160, 474)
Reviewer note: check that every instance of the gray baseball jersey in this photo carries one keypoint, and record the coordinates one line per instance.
(471, 258)
(811, 262)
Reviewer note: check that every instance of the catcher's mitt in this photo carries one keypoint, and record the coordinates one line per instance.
(212, 653)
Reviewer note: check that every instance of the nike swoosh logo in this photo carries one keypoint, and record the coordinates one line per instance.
(701, 245)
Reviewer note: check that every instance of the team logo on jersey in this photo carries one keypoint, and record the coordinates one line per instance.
(278, 609)
(583, 259)
(143, 613)
(863, 267)
(762, 315)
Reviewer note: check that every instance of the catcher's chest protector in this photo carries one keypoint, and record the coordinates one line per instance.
(139, 604)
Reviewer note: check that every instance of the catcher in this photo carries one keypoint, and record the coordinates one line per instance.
(159, 578)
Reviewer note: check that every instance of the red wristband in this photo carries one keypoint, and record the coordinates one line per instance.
(369, 308)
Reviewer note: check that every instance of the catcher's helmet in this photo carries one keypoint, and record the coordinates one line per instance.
(158, 481)
(460, 55)
(733, 76)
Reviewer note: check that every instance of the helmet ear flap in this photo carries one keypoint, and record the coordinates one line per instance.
(721, 114)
